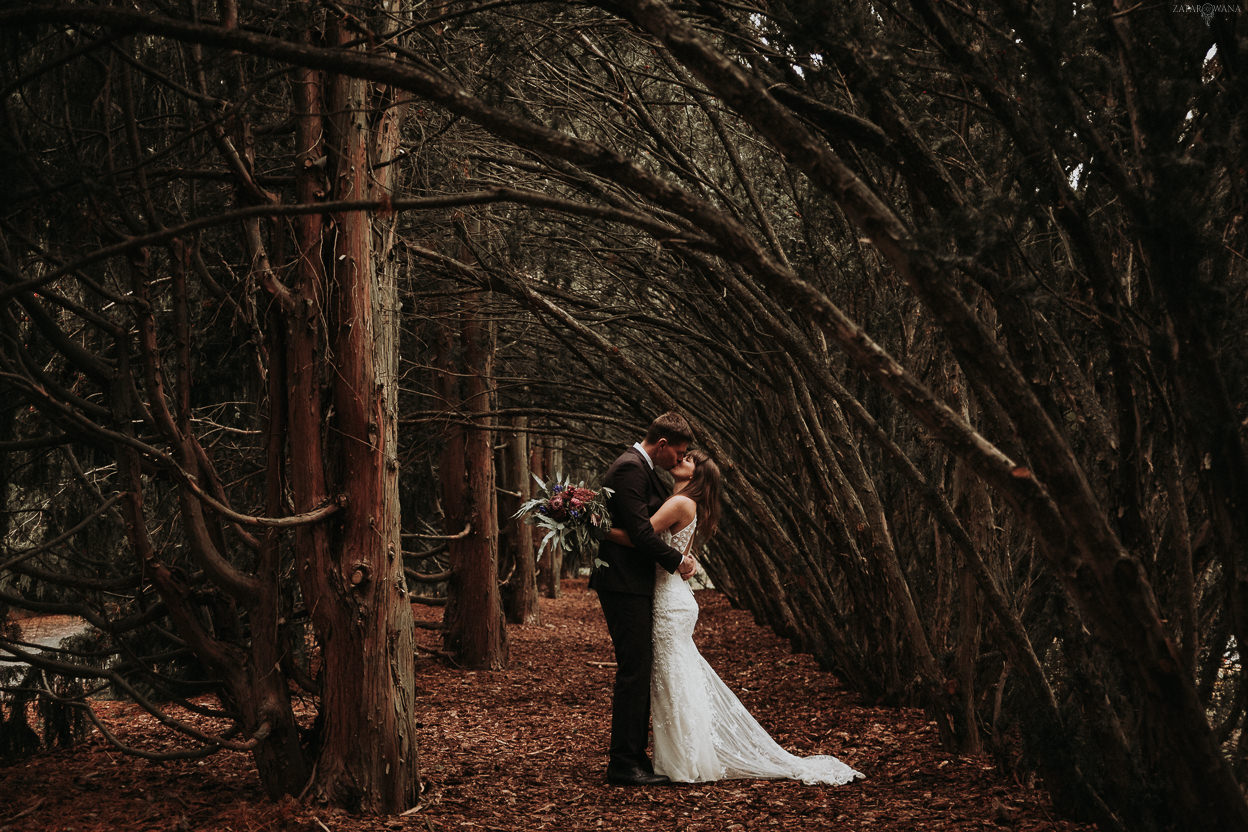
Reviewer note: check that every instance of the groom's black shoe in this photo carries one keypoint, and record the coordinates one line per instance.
(634, 776)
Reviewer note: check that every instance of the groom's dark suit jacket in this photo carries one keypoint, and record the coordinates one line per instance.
(638, 494)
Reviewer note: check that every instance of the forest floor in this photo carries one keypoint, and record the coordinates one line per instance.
(523, 749)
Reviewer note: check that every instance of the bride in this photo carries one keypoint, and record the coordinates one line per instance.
(701, 730)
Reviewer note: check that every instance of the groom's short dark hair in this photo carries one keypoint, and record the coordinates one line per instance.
(670, 426)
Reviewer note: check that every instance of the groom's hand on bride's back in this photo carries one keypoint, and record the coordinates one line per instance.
(687, 567)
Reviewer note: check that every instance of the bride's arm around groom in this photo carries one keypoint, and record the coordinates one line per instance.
(630, 565)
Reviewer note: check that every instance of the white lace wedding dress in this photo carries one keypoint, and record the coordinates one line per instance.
(701, 730)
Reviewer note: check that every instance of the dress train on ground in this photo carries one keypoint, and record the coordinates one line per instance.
(702, 732)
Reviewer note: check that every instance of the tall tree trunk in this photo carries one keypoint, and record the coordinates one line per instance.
(522, 606)
(476, 632)
(550, 566)
(280, 758)
(538, 466)
(353, 579)
(452, 462)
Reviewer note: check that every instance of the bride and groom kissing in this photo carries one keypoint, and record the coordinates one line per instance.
(702, 732)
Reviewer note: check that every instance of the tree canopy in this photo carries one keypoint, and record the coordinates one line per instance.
(954, 295)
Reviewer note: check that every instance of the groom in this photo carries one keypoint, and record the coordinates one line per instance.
(623, 577)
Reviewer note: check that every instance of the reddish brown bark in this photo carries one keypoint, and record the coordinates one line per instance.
(358, 595)
(351, 575)
(475, 631)
(521, 602)
(550, 565)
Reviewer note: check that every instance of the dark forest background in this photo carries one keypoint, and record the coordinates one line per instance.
(298, 295)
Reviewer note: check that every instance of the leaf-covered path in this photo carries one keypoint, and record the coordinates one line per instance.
(523, 749)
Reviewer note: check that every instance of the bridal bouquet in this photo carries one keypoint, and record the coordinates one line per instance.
(572, 514)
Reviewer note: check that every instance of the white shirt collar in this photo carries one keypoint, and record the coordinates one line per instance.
(645, 455)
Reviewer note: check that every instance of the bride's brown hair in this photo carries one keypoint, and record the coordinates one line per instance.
(703, 489)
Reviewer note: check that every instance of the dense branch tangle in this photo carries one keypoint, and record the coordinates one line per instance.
(143, 340)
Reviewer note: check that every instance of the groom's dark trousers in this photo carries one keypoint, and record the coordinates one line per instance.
(624, 581)
(629, 622)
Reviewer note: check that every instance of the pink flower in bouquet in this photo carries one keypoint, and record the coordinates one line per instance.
(572, 515)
